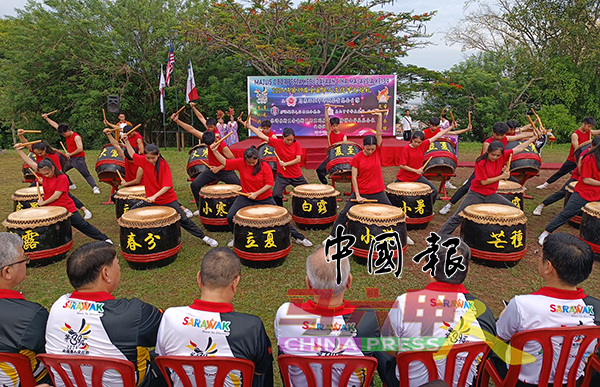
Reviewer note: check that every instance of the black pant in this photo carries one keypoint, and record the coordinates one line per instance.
(243, 201)
(342, 218)
(573, 207)
(206, 177)
(79, 164)
(79, 223)
(406, 135)
(566, 168)
(462, 191)
(322, 172)
(282, 182)
(186, 223)
(424, 180)
(560, 194)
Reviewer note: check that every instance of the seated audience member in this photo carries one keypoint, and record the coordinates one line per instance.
(566, 261)
(435, 312)
(210, 327)
(22, 323)
(91, 322)
(332, 323)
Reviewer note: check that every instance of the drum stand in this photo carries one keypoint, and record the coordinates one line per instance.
(342, 178)
(522, 177)
(444, 178)
(115, 186)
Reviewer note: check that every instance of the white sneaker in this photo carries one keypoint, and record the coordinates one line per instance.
(109, 241)
(409, 241)
(542, 238)
(304, 242)
(72, 186)
(449, 185)
(188, 213)
(538, 210)
(87, 215)
(230, 243)
(197, 213)
(209, 241)
(542, 186)
(96, 191)
(444, 210)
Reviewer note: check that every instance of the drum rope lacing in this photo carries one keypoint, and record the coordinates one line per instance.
(281, 221)
(492, 219)
(144, 224)
(314, 195)
(33, 223)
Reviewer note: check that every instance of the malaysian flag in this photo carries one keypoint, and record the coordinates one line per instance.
(161, 87)
(170, 64)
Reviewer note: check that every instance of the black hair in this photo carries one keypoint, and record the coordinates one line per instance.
(211, 121)
(572, 258)
(494, 146)
(288, 132)
(48, 163)
(85, 264)
(500, 128)
(595, 151)
(418, 134)
(127, 128)
(43, 146)
(589, 121)
(252, 153)
(62, 128)
(153, 150)
(435, 121)
(265, 124)
(461, 249)
(219, 268)
(208, 138)
(334, 120)
(512, 124)
(370, 140)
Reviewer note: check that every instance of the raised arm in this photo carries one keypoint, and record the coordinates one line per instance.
(198, 114)
(378, 135)
(215, 149)
(440, 134)
(255, 130)
(521, 147)
(32, 164)
(187, 127)
(327, 124)
(111, 125)
(52, 123)
(128, 146)
(22, 138)
(520, 136)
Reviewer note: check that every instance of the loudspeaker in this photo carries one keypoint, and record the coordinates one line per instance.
(113, 104)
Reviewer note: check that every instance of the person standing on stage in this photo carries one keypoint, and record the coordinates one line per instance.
(75, 153)
(490, 168)
(333, 135)
(407, 125)
(587, 190)
(581, 135)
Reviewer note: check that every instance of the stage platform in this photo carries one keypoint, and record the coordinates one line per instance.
(313, 151)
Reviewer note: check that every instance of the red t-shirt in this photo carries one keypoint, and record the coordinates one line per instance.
(413, 158)
(583, 137)
(430, 133)
(133, 139)
(54, 157)
(252, 183)
(575, 173)
(212, 159)
(491, 139)
(370, 176)
(72, 147)
(130, 171)
(59, 183)
(588, 169)
(270, 134)
(287, 153)
(335, 137)
(486, 169)
(153, 184)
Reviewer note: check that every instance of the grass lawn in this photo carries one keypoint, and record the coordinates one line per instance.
(261, 292)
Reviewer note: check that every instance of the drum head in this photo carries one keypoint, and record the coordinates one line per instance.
(262, 215)
(314, 191)
(409, 188)
(593, 209)
(136, 190)
(375, 213)
(149, 217)
(220, 190)
(509, 187)
(29, 192)
(36, 217)
(571, 187)
(491, 213)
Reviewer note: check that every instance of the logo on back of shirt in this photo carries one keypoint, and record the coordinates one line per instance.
(458, 334)
(210, 350)
(218, 327)
(575, 310)
(337, 350)
(85, 306)
(77, 341)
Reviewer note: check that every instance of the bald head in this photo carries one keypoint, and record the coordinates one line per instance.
(322, 274)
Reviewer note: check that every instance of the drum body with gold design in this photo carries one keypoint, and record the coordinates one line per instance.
(150, 236)
(414, 199)
(496, 233)
(569, 190)
(339, 156)
(126, 197)
(46, 233)
(526, 163)
(215, 202)
(513, 191)
(109, 162)
(195, 165)
(443, 158)
(581, 148)
(314, 206)
(26, 198)
(267, 154)
(367, 221)
(28, 176)
(261, 235)
(590, 227)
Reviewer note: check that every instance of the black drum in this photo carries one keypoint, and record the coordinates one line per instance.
(513, 191)
(524, 164)
(26, 198)
(195, 165)
(581, 148)
(590, 227)
(109, 162)
(267, 154)
(150, 236)
(28, 176)
(367, 221)
(339, 156)
(443, 158)
(314, 206)
(569, 190)
(414, 199)
(261, 235)
(46, 233)
(215, 202)
(127, 197)
(496, 234)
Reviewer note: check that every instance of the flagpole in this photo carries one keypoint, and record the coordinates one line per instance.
(176, 106)
(163, 110)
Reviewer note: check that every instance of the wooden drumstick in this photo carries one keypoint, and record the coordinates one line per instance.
(34, 174)
(104, 114)
(426, 162)
(204, 162)
(37, 184)
(133, 130)
(63, 146)
(452, 116)
(276, 155)
(539, 120)
(443, 111)
(535, 130)
(31, 131)
(365, 200)
(228, 134)
(508, 162)
(52, 112)
(119, 173)
(243, 194)
(30, 143)
(180, 110)
(469, 118)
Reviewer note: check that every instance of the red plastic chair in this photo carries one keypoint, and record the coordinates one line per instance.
(303, 362)
(544, 336)
(593, 364)
(99, 364)
(22, 365)
(224, 366)
(404, 359)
